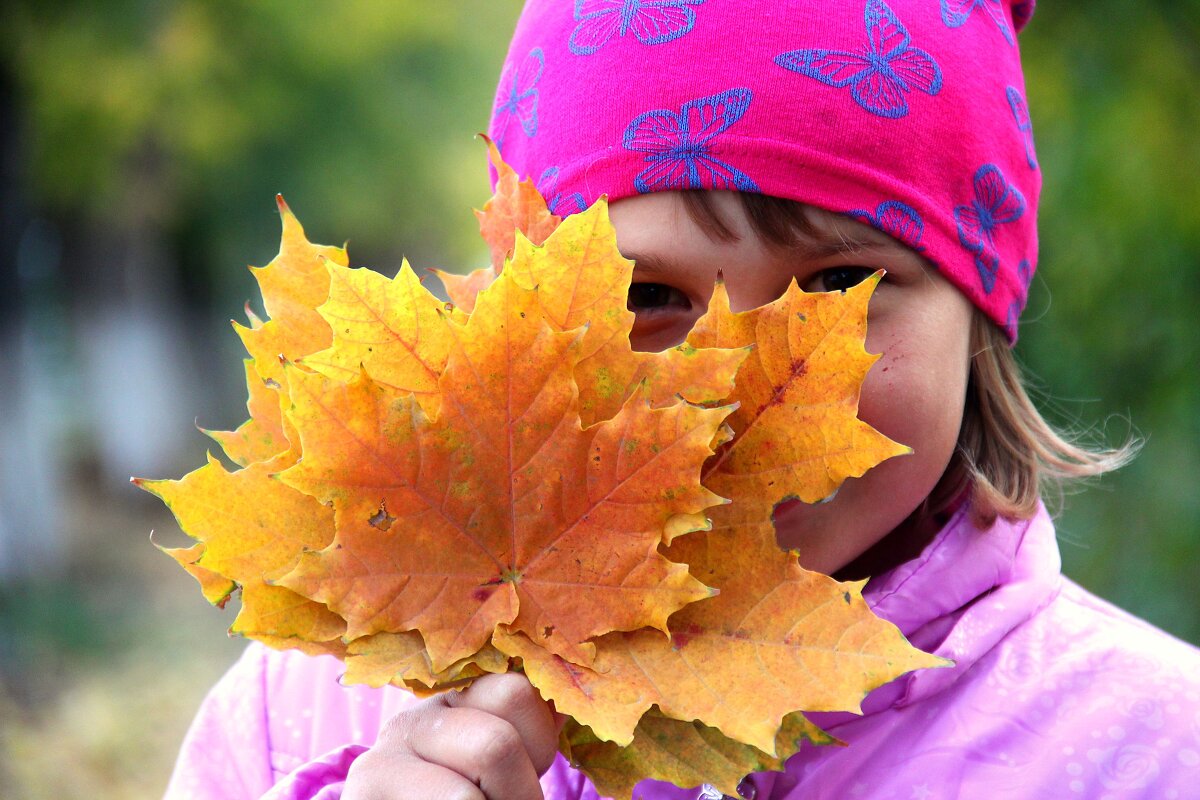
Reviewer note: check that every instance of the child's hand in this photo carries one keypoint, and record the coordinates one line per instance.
(491, 741)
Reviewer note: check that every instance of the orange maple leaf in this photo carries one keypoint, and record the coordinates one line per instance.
(797, 432)
(500, 498)
(516, 206)
(516, 209)
(462, 289)
(583, 281)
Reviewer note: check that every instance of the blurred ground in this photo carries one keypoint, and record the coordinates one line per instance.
(101, 670)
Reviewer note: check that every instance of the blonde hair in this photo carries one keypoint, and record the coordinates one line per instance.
(1008, 456)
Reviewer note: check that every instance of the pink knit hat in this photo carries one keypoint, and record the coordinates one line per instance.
(909, 115)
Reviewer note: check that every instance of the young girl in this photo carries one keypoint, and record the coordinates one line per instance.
(820, 142)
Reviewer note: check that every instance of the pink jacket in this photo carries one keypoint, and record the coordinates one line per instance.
(1055, 694)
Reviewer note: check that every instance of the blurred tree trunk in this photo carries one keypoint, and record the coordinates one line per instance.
(136, 364)
(31, 540)
(96, 377)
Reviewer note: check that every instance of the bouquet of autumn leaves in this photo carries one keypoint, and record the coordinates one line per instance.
(432, 491)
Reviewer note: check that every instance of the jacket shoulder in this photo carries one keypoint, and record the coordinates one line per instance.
(1111, 703)
(1114, 635)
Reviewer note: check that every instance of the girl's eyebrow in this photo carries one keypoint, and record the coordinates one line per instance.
(650, 264)
(833, 245)
(821, 244)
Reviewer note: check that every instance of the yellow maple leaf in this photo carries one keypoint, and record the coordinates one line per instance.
(251, 529)
(683, 753)
(284, 620)
(252, 525)
(402, 659)
(392, 329)
(741, 661)
(583, 281)
(293, 285)
(261, 437)
(215, 588)
(797, 432)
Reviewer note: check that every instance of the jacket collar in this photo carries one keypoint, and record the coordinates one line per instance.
(967, 590)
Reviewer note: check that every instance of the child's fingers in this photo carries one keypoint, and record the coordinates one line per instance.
(484, 749)
(513, 699)
(405, 777)
(489, 742)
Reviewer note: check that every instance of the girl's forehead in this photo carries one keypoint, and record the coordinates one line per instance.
(811, 231)
(662, 234)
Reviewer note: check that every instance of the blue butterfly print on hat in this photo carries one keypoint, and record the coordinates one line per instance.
(955, 13)
(996, 202)
(898, 220)
(571, 204)
(678, 145)
(521, 99)
(881, 73)
(652, 22)
(1020, 113)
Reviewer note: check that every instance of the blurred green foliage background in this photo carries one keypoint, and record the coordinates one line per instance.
(142, 144)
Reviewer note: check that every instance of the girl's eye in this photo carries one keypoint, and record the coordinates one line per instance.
(653, 296)
(838, 279)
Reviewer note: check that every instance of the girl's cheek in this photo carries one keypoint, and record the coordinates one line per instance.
(885, 391)
(651, 335)
(914, 394)
(655, 330)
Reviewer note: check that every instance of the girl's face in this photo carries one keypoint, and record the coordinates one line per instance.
(919, 322)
